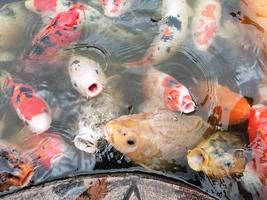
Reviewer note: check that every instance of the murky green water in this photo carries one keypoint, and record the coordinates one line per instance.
(232, 62)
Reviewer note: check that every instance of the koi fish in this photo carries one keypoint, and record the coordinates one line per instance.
(48, 9)
(64, 30)
(163, 91)
(219, 156)
(13, 19)
(86, 75)
(115, 8)
(206, 23)
(94, 114)
(257, 132)
(30, 108)
(254, 15)
(156, 140)
(172, 31)
(222, 105)
(16, 169)
(46, 148)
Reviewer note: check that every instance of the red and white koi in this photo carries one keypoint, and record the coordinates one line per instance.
(172, 31)
(30, 108)
(206, 23)
(257, 132)
(64, 30)
(48, 9)
(86, 75)
(115, 8)
(163, 91)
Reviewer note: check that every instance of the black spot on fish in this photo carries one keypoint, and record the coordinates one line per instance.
(18, 99)
(25, 90)
(174, 22)
(168, 49)
(28, 95)
(74, 28)
(37, 49)
(58, 33)
(46, 41)
(75, 62)
(55, 23)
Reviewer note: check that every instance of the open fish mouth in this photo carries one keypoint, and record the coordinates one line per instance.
(94, 89)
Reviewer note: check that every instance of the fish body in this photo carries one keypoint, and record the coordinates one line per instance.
(115, 8)
(64, 30)
(46, 148)
(48, 9)
(222, 105)
(30, 108)
(206, 23)
(172, 31)
(16, 169)
(257, 132)
(156, 140)
(86, 75)
(95, 113)
(13, 20)
(219, 156)
(163, 91)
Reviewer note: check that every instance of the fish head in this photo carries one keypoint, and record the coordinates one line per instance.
(219, 156)
(87, 76)
(114, 8)
(177, 96)
(124, 134)
(16, 169)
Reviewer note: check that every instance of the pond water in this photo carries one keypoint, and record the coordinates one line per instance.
(235, 60)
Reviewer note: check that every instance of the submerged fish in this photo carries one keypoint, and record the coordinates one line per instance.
(13, 20)
(206, 23)
(222, 105)
(30, 108)
(115, 8)
(257, 132)
(172, 31)
(64, 30)
(156, 140)
(48, 9)
(219, 156)
(46, 148)
(16, 169)
(86, 75)
(95, 113)
(163, 91)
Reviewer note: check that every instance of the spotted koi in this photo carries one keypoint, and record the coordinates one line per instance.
(64, 30)
(163, 91)
(30, 108)
(206, 23)
(115, 8)
(172, 31)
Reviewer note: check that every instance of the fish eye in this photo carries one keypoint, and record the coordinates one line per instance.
(26, 123)
(130, 142)
(96, 71)
(169, 98)
(75, 84)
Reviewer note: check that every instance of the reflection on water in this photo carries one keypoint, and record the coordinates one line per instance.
(224, 80)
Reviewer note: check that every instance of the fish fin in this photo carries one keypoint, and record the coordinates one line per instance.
(251, 181)
(157, 15)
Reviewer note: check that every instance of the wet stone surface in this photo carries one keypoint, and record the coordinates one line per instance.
(118, 187)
